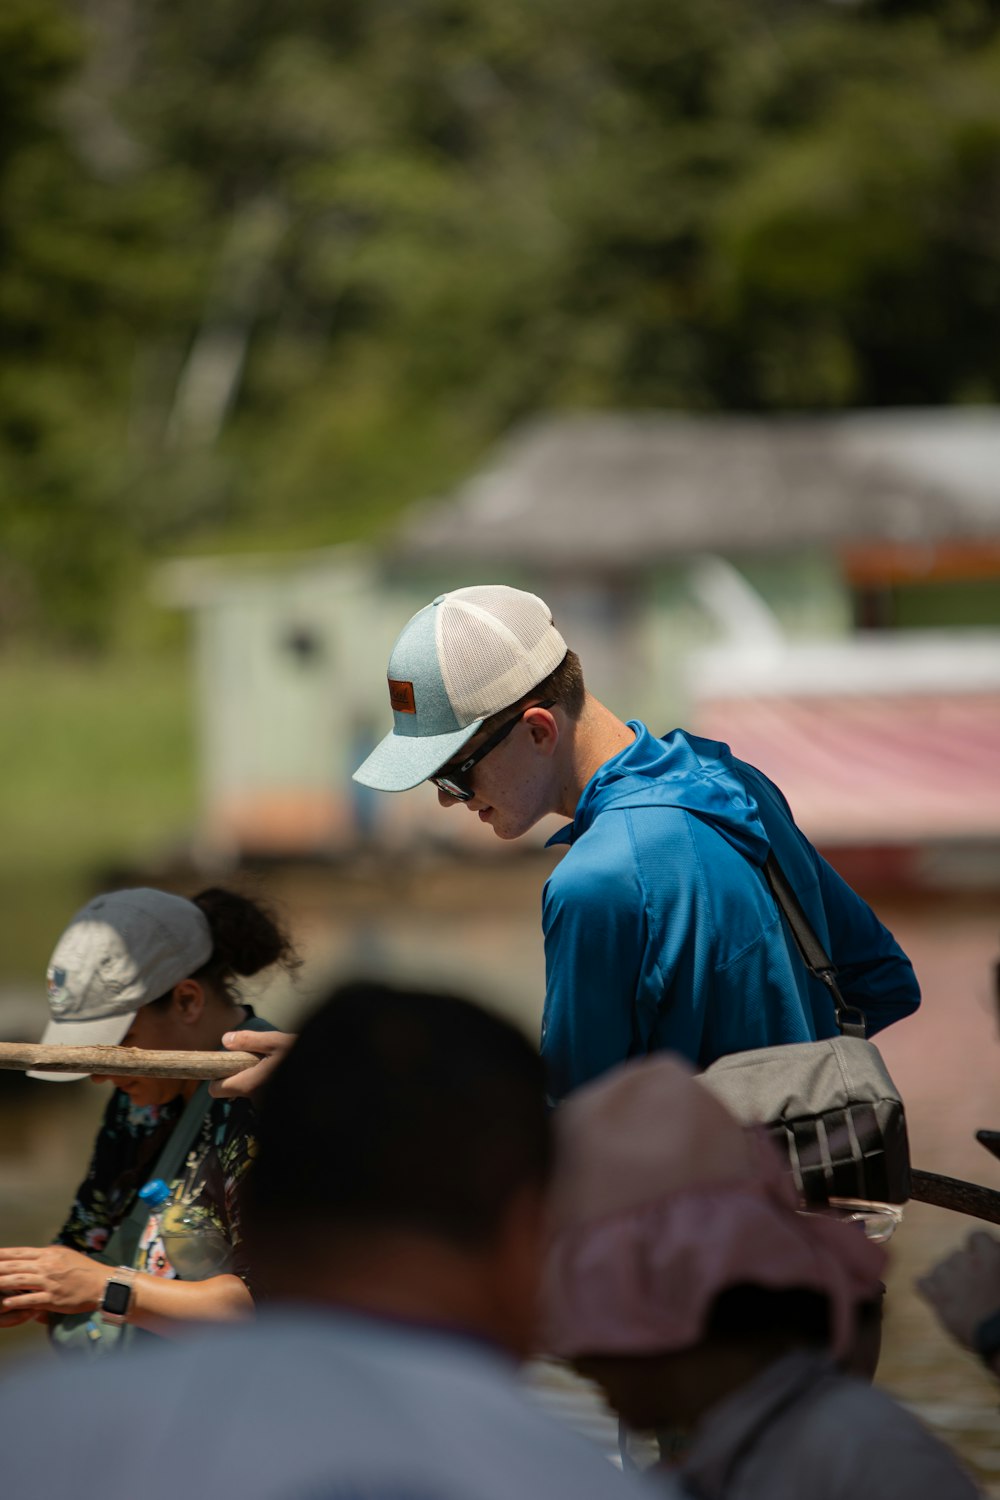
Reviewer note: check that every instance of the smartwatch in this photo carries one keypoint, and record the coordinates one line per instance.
(117, 1300)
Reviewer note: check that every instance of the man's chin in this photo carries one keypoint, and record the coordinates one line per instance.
(488, 815)
(510, 832)
(503, 826)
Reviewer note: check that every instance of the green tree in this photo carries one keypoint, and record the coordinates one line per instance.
(274, 271)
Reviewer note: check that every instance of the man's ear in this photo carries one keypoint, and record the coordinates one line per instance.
(188, 1000)
(544, 728)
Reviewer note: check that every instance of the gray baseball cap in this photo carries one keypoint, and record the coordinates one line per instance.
(465, 656)
(119, 952)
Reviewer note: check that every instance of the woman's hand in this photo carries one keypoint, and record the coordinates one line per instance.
(14, 1320)
(270, 1046)
(49, 1278)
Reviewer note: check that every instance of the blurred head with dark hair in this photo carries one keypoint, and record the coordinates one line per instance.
(404, 1155)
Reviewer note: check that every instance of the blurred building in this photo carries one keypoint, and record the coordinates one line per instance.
(822, 593)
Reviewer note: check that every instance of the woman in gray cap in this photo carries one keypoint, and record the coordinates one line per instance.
(153, 1235)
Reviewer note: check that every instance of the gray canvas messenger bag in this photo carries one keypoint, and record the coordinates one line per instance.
(831, 1105)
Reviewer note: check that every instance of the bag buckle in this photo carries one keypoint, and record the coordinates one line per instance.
(850, 1020)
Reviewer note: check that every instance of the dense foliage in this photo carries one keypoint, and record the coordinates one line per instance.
(273, 270)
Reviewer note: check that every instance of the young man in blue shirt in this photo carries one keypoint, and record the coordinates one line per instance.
(660, 928)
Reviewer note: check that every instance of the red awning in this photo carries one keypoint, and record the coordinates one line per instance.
(862, 770)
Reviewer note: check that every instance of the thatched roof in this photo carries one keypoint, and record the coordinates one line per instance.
(614, 492)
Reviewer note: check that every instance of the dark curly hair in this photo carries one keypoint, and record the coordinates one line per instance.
(246, 938)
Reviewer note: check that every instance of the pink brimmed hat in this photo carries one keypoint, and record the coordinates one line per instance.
(662, 1201)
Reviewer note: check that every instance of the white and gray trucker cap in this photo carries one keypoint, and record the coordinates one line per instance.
(463, 657)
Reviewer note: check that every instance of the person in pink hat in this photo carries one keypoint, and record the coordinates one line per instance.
(682, 1280)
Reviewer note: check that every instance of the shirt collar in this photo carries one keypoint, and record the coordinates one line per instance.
(584, 814)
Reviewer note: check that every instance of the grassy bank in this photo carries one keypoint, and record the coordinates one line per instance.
(96, 768)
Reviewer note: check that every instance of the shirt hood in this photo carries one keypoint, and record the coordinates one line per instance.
(679, 770)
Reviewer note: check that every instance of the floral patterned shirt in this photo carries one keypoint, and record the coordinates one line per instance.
(197, 1232)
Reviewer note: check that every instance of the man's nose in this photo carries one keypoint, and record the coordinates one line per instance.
(445, 799)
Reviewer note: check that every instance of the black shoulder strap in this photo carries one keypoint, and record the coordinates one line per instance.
(850, 1020)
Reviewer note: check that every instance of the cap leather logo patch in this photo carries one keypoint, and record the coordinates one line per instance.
(56, 985)
(401, 697)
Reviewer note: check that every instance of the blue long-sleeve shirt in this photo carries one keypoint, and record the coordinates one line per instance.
(661, 931)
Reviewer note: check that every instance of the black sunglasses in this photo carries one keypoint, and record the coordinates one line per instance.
(452, 781)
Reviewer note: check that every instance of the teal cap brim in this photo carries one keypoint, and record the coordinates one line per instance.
(401, 762)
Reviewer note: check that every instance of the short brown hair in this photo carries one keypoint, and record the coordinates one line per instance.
(564, 687)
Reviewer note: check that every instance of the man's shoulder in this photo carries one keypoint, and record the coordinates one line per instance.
(599, 867)
(312, 1407)
(884, 1433)
(617, 824)
(623, 859)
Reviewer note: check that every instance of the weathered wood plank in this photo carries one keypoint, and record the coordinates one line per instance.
(132, 1062)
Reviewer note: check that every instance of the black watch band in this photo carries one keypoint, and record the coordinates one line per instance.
(117, 1300)
(986, 1339)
